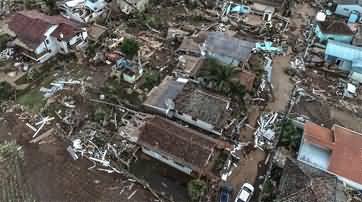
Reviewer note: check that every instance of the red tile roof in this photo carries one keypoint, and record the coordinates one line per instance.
(346, 159)
(345, 146)
(30, 27)
(182, 144)
(316, 134)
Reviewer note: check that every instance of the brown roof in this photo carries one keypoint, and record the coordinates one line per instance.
(65, 31)
(182, 144)
(30, 26)
(345, 146)
(335, 27)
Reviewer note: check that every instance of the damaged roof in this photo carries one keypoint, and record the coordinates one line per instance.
(335, 27)
(30, 27)
(203, 105)
(301, 183)
(224, 45)
(173, 140)
(167, 90)
(345, 146)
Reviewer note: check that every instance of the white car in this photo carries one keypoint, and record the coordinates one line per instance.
(245, 193)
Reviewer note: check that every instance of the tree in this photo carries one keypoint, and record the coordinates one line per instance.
(130, 47)
(289, 135)
(196, 189)
(223, 79)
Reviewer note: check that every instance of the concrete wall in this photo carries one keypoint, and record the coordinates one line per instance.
(314, 155)
(223, 59)
(345, 10)
(198, 123)
(168, 161)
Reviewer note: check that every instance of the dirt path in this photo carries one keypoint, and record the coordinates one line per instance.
(282, 86)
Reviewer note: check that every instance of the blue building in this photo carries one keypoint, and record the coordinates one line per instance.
(346, 56)
(348, 7)
(334, 30)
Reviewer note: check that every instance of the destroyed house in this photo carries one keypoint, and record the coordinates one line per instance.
(346, 56)
(184, 100)
(336, 151)
(226, 49)
(334, 30)
(182, 148)
(347, 7)
(41, 36)
(302, 183)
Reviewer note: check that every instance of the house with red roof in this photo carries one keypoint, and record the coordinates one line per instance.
(42, 36)
(337, 151)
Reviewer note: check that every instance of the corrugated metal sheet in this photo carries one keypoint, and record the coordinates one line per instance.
(343, 51)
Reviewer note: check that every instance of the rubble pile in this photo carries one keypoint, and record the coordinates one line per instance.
(265, 134)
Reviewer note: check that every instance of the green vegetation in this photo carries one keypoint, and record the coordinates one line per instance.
(222, 78)
(32, 100)
(290, 136)
(6, 91)
(152, 78)
(130, 47)
(196, 189)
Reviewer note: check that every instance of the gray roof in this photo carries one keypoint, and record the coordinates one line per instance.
(221, 44)
(168, 89)
(203, 105)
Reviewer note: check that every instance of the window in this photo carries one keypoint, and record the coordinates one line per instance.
(346, 9)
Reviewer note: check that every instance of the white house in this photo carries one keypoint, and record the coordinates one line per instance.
(337, 151)
(41, 36)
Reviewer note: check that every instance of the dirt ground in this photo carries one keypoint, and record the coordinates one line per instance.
(49, 174)
(282, 86)
(247, 170)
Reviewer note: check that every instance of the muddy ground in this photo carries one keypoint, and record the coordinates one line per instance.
(48, 173)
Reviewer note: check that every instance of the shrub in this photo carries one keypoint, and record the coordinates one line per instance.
(196, 189)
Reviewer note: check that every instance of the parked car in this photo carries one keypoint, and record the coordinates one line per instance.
(225, 194)
(245, 193)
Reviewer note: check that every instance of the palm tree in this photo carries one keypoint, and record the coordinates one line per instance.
(222, 78)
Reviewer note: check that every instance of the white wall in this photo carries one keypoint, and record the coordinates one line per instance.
(169, 162)
(199, 123)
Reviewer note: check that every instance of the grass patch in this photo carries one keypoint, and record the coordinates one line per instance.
(33, 100)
